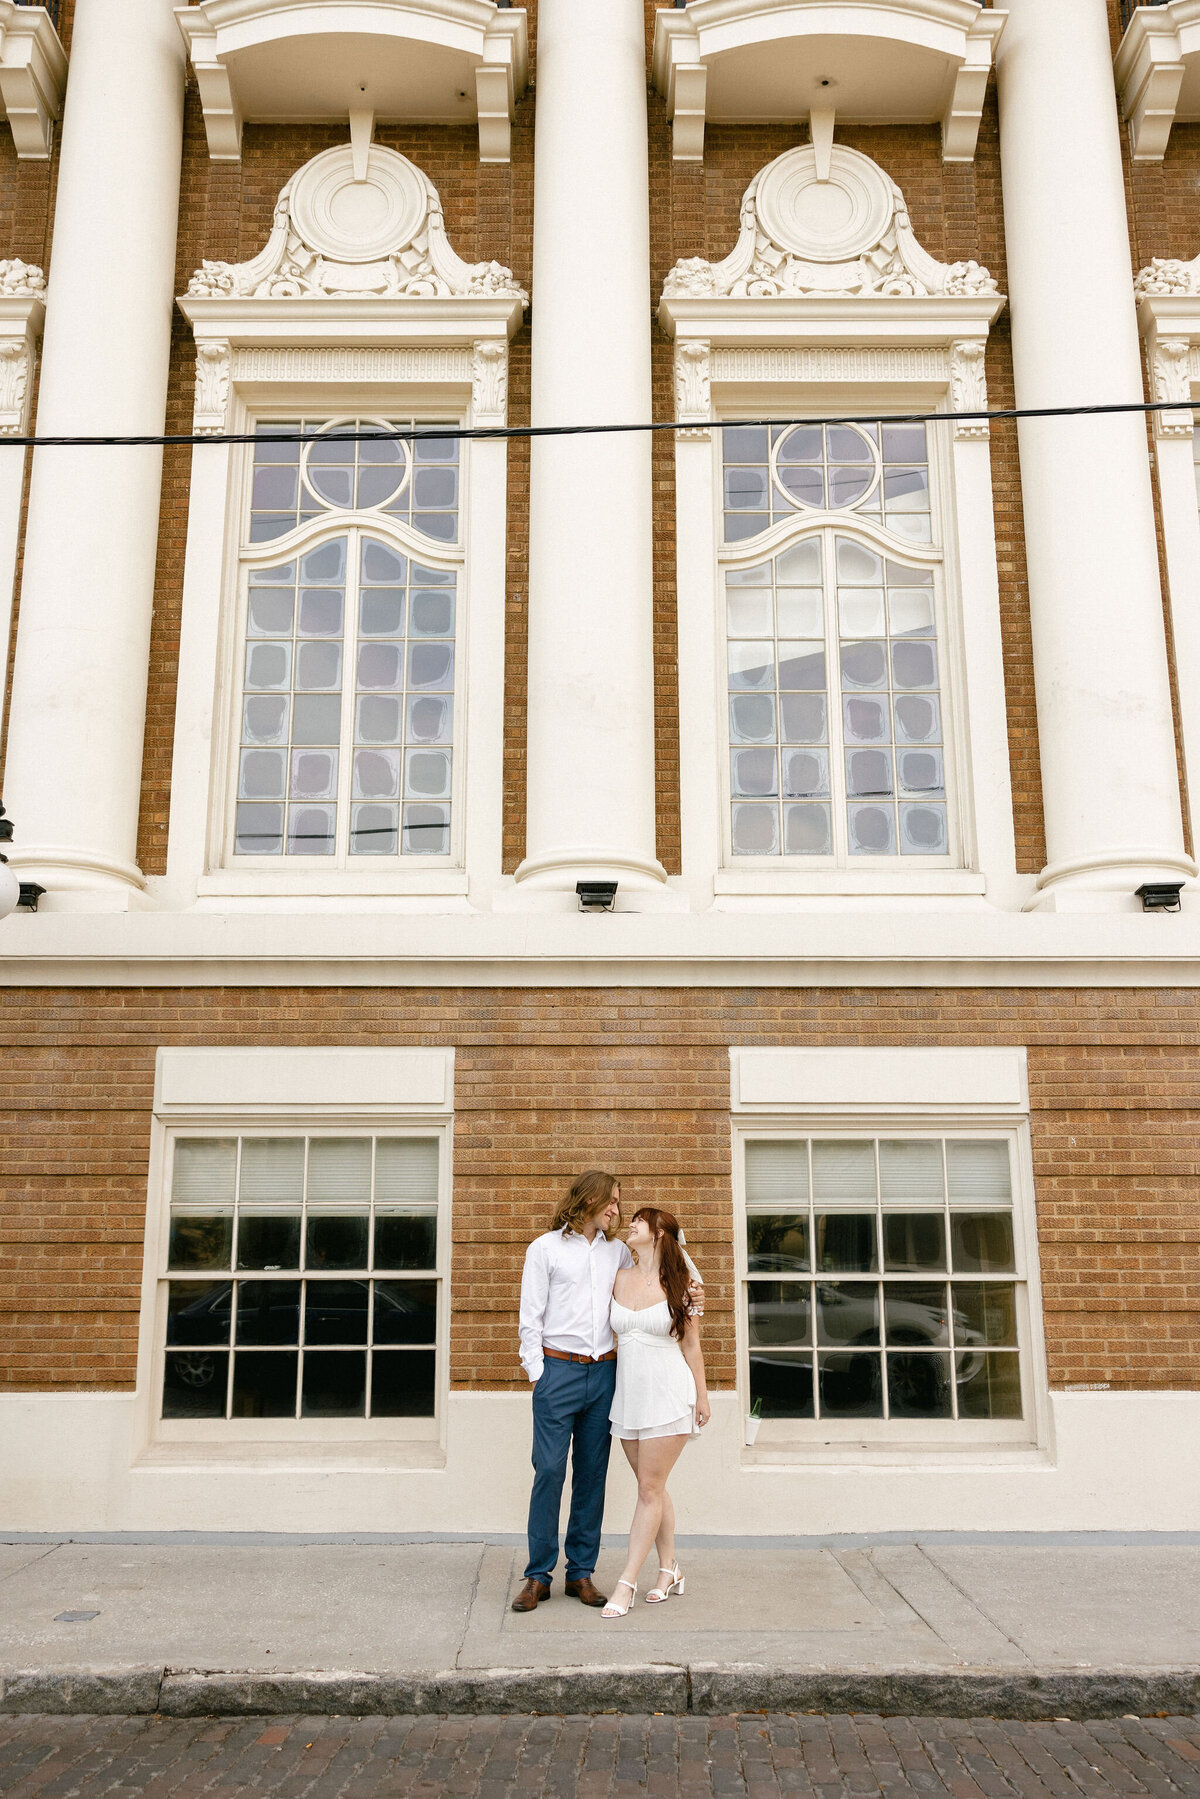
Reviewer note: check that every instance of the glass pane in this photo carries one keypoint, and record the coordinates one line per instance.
(405, 1311)
(806, 774)
(807, 831)
(374, 830)
(200, 1242)
(919, 1386)
(915, 1314)
(872, 830)
(379, 718)
(851, 1386)
(198, 1312)
(317, 718)
(780, 1313)
(406, 1169)
(406, 1240)
(989, 1384)
(268, 1312)
(801, 612)
(802, 667)
(802, 717)
(265, 718)
(918, 718)
(203, 1170)
(982, 1243)
(910, 1169)
(336, 1240)
(194, 1384)
(848, 1312)
(914, 1241)
(425, 830)
(781, 1384)
(751, 665)
(754, 772)
(272, 1169)
(914, 664)
(865, 720)
(776, 1172)
(752, 718)
(335, 1384)
(985, 1313)
(844, 1171)
(264, 1383)
(857, 566)
(924, 831)
(755, 830)
(844, 1243)
(978, 1170)
(402, 1384)
(864, 664)
(777, 1241)
(749, 612)
(336, 1312)
(339, 1171)
(268, 1240)
(259, 830)
(869, 774)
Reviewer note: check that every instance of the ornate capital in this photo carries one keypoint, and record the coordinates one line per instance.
(211, 409)
(693, 388)
(1170, 374)
(968, 386)
(21, 280)
(489, 382)
(16, 366)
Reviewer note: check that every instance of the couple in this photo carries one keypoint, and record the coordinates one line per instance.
(582, 1287)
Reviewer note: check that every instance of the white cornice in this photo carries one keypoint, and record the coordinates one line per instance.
(1159, 52)
(705, 63)
(366, 323)
(295, 59)
(33, 77)
(874, 319)
(941, 948)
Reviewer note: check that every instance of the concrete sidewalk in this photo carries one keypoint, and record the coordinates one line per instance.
(1014, 1627)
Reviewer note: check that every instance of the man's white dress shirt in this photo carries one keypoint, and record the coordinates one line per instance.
(566, 1295)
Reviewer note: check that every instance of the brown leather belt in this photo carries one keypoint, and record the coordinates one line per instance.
(563, 1355)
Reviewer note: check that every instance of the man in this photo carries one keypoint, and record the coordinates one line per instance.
(568, 1352)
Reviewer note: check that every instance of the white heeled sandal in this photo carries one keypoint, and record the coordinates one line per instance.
(613, 1610)
(659, 1595)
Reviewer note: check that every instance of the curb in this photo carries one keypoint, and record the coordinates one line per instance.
(700, 1687)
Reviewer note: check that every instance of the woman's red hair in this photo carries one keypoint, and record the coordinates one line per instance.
(673, 1273)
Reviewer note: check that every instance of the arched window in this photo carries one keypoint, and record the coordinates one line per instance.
(351, 577)
(832, 593)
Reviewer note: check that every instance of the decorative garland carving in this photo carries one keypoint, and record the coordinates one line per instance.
(804, 362)
(693, 387)
(21, 280)
(348, 363)
(212, 387)
(320, 248)
(1168, 275)
(489, 382)
(788, 247)
(968, 386)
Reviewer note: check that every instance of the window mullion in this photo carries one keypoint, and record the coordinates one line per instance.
(349, 679)
(833, 666)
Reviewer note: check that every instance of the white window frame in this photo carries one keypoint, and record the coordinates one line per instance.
(940, 555)
(363, 874)
(1170, 324)
(283, 1092)
(871, 357)
(439, 360)
(782, 1094)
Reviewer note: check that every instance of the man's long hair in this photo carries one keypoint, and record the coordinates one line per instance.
(673, 1275)
(591, 1191)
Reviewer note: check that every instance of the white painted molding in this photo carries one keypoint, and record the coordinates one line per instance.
(857, 1081)
(788, 248)
(1169, 318)
(22, 314)
(869, 363)
(693, 387)
(33, 77)
(327, 300)
(890, 61)
(968, 386)
(1157, 68)
(322, 1082)
(428, 61)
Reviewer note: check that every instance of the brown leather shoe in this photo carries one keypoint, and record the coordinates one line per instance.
(530, 1596)
(583, 1589)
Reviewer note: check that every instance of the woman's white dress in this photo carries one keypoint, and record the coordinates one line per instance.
(656, 1391)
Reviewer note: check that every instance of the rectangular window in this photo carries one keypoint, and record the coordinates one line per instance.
(836, 733)
(884, 1287)
(302, 1277)
(350, 598)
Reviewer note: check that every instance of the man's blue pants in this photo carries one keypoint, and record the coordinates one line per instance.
(571, 1403)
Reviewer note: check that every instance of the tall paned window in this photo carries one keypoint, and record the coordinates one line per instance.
(884, 1280)
(832, 583)
(351, 584)
(302, 1277)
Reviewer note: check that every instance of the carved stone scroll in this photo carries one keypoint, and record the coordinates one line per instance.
(968, 386)
(489, 382)
(693, 388)
(211, 409)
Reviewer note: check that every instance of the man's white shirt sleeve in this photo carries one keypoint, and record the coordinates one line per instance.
(535, 1291)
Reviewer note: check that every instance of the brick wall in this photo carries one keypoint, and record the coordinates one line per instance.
(636, 1080)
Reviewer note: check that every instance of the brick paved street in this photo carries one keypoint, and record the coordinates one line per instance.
(592, 1757)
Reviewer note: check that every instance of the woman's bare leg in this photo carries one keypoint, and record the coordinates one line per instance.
(665, 1540)
(655, 1460)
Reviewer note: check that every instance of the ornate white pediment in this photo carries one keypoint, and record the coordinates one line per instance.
(353, 223)
(808, 231)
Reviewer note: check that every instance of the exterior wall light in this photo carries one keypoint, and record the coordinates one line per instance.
(1160, 896)
(596, 896)
(14, 893)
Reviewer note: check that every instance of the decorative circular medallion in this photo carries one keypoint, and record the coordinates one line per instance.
(825, 221)
(358, 221)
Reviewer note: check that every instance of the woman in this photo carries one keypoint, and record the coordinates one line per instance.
(661, 1397)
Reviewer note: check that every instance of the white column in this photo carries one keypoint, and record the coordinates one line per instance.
(1109, 776)
(591, 675)
(79, 687)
